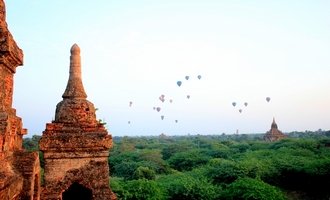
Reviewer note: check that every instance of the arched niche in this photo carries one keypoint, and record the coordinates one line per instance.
(77, 192)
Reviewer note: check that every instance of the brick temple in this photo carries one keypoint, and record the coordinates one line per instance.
(76, 145)
(19, 170)
(274, 134)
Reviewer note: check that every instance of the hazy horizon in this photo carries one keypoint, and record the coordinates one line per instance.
(138, 50)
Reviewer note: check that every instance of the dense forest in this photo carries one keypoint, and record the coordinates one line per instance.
(219, 166)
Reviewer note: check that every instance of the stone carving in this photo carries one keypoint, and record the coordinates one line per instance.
(76, 145)
(274, 134)
(19, 170)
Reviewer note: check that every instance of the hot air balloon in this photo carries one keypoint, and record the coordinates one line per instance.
(158, 109)
(154, 108)
(246, 104)
(199, 77)
(162, 98)
(129, 122)
(179, 83)
(240, 110)
(187, 78)
(267, 99)
(162, 117)
(234, 104)
(130, 104)
(176, 121)
(171, 100)
(188, 96)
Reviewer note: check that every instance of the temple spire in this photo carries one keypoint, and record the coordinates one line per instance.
(75, 88)
(274, 125)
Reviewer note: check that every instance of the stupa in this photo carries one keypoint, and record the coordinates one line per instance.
(76, 145)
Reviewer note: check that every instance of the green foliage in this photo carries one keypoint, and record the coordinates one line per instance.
(31, 144)
(154, 157)
(117, 186)
(217, 166)
(251, 189)
(259, 164)
(144, 173)
(184, 161)
(126, 163)
(118, 158)
(183, 186)
(307, 144)
(125, 169)
(222, 171)
(141, 189)
(171, 149)
(219, 150)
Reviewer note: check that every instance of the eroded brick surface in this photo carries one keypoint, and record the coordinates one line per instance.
(76, 145)
(19, 170)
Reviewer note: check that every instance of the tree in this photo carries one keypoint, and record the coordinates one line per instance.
(222, 171)
(144, 172)
(251, 189)
(143, 189)
(126, 169)
(185, 161)
(173, 148)
(183, 186)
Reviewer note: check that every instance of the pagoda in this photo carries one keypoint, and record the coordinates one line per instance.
(274, 134)
(76, 145)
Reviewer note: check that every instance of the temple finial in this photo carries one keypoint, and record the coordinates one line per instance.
(75, 88)
(75, 49)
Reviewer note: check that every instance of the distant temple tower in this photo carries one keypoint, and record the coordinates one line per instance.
(19, 170)
(76, 146)
(274, 134)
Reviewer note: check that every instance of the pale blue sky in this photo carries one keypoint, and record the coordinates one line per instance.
(137, 50)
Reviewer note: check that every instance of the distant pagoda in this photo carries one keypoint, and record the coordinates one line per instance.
(76, 146)
(274, 134)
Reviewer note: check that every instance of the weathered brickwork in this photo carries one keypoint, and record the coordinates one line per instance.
(76, 145)
(19, 170)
